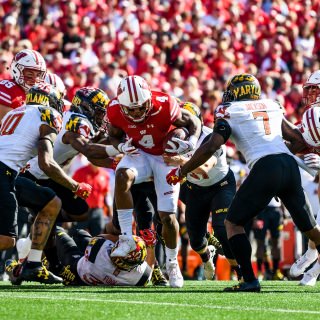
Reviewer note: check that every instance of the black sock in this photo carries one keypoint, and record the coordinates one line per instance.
(237, 270)
(275, 264)
(259, 264)
(204, 256)
(241, 248)
(33, 264)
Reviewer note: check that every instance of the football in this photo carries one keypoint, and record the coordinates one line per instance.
(181, 133)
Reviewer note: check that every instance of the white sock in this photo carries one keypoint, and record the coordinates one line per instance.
(125, 221)
(35, 255)
(312, 254)
(23, 247)
(172, 254)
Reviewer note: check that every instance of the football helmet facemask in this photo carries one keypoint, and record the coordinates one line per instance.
(46, 95)
(311, 90)
(28, 68)
(91, 102)
(133, 258)
(134, 97)
(240, 87)
(310, 127)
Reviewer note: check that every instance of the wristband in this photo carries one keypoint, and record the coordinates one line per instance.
(111, 151)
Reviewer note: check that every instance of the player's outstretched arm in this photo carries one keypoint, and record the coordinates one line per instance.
(293, 137)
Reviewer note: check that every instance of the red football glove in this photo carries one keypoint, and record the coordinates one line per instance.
(174, 176)
(149, 237)
(83, 190)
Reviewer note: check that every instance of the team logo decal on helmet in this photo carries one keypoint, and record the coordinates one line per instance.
(310, 127)
(133, 258)
(242, 87)
(134, 97)
(46, 95)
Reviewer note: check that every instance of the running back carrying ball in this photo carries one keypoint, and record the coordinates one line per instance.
(169, 143)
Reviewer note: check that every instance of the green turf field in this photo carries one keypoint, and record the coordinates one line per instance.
(197, 300)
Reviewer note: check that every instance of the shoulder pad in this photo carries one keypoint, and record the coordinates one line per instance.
(51, 117)
(79, 124)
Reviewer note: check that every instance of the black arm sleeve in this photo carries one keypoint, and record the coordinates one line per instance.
(222, 127)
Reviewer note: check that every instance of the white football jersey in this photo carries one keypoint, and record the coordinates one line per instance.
(19, 133)
(98, 269)
(215, 174)
(256, 127)
(64, 153)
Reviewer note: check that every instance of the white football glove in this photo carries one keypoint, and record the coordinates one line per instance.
(128, 148)
(182, 148)
(312, 161)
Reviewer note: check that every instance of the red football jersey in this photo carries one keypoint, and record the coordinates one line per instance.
(11, 94)
(150, 134)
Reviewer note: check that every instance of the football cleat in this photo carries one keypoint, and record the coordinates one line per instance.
(278, 275)
(309, 279)
(213, 241)
(174, 274)
(39, 274)
(208, 266)
(126, 244)
(13, 269)
(302, 264)
(158, 279)
(253, 286)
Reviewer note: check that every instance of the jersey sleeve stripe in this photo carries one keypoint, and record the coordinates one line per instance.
(5, 94)
(174, 110)
(5, 98)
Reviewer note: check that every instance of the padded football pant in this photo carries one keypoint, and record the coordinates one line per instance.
(200, 201)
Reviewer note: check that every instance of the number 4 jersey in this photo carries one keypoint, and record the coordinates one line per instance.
(149, 134)
(19, 133)
(256, 127)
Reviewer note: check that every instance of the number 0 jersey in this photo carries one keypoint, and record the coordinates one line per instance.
(19, 133)
(96, 267)
(150, 134)
(64, 153)
(256, 127)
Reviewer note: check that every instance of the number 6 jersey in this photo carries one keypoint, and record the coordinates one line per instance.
(254, 125)
(19, 133)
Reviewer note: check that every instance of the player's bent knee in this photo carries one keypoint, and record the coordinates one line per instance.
(168, 218)
(6, 242)
(53, 206)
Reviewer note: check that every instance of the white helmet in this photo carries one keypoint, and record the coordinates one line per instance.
(27, 60)
(134, 97)
(310, 127)
(311, 90)
(57, 82)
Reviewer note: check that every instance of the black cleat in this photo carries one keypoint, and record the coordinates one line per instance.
(253, 286)
(158, 279)
(39, 274)
(213, 241)
(13, 269)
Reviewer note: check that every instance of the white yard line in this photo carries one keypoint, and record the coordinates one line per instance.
(183, 305)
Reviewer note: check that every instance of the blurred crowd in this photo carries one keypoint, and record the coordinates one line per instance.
(185, 48)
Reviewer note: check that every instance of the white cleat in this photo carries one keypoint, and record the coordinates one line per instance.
(209, 269)
(309, 279)
(174, 274)
(302, 264)
(125, 245)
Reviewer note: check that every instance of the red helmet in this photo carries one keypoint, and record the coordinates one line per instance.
(134, 97)
(311, 90)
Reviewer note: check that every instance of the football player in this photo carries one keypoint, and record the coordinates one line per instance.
(87, 260)
(309, 128)
(209, 188)
(257, 127)
(145, 117)
(26, 131)
(27, 68)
